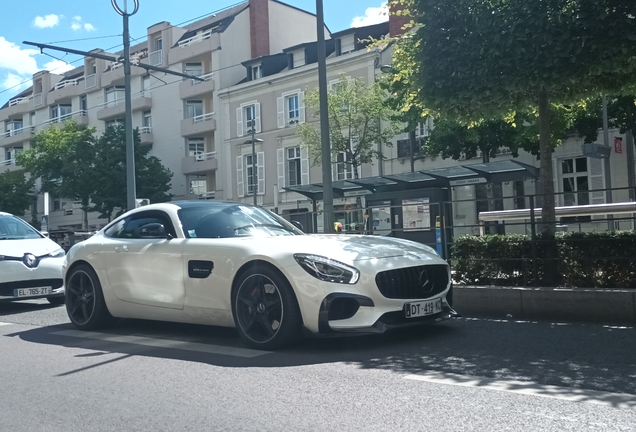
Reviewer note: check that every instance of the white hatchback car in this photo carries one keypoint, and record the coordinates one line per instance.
(30, 263)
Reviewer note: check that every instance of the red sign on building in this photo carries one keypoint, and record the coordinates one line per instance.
(618, 145)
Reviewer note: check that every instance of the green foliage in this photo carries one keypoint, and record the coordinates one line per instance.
(356, 111)
(15, 192)
(152, 178)
(593, 259)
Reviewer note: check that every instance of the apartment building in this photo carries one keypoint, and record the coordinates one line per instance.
(178, 117)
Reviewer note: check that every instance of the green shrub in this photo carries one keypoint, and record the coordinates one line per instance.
(594, 259)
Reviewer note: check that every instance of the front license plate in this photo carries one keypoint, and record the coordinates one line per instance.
(423, 308)
(30, 292)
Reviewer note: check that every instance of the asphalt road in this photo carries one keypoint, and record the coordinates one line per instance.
(462, 375)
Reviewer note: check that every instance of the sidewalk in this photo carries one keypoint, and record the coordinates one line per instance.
(616, 306)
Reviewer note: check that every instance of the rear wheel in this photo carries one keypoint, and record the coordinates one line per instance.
(85, 303)
(265, 309)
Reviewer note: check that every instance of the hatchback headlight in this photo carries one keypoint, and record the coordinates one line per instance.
(57, 253)
(327, 269)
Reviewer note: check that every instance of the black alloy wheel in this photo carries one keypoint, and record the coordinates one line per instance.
(265, 310)
(84, 299)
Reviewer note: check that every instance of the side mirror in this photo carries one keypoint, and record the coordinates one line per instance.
(154, 230)
(298, 225)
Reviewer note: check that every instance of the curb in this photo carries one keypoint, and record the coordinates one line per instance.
(564, 304)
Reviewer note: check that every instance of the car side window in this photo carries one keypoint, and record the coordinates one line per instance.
(129, 227)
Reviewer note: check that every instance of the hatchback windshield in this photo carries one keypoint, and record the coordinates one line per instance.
(14, 228)
(226, 221)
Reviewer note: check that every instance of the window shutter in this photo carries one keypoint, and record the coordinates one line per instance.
(334, 167)
(280, 108)
(597, 181)
(260, 166)
(257, 116)
(304, 165)
(556, 183)
(240, 184)
(239, 122)
(301, 107)
(280, 157)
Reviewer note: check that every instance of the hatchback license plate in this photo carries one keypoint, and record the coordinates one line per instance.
(423, 308)
(30, 292)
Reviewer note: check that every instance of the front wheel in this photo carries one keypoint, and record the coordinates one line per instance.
(85, 303)
(265, 309)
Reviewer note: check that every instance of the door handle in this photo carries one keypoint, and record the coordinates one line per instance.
(121, 248)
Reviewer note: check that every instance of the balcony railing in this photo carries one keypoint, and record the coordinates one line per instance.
(206, 195)
(7, 162)
(203, 117)
(205, 156)
(155, 58)
(18, 101)
(145, 130)
(206, 77)
(65, 117)
(69, 83)
(14, 132)
(196, 38)
(37, 99)
(91, 81)
(118, 101)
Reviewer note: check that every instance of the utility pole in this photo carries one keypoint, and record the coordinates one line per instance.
(130, 150)
(131, 189)
(327, 186)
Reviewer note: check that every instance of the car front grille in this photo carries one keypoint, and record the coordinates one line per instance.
(6, 288)
(413, 282)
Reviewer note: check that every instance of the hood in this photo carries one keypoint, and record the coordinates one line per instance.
(351, 248)
(35, 246)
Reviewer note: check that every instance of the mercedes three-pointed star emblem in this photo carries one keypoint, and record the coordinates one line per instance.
(425, 283)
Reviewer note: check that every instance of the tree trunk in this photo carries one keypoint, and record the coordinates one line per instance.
(548, 216)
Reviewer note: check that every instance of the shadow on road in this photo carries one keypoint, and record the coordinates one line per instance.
(573, 356)
(18, 307)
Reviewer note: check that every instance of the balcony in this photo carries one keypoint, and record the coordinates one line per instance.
(198, 125)
(16, 107)
(155, 58)
(8, 165)
(16, 136)
(202, 43)
(115, 74)
(199, 164)
(66, 90)
(117, 108)
(90, 82)
(191, 88)
(146, 135)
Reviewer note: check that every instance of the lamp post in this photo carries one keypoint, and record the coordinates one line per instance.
(131, 192)
(253, 141)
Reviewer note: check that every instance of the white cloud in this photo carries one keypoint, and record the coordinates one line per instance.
(58, 66)
(78, 25)
(17, 59)
(373, 15)
(15, 82)
(47, 21)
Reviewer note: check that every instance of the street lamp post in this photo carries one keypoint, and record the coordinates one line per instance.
(131, 192)
(253, 141)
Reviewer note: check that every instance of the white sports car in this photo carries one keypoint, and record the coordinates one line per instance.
(30, 264)
(235, 265)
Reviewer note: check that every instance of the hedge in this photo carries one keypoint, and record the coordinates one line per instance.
(592, 259)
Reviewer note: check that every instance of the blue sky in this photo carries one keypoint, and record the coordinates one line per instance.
(85, 25)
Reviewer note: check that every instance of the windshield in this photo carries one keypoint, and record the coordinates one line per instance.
(233, 221)
(14, 228)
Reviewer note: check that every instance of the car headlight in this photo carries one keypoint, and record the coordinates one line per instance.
(57, 253)
(327, 269)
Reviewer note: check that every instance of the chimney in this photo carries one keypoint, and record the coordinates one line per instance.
(396, 22)
(259, 27)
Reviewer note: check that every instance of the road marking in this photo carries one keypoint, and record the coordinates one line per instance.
(616, 400)
(4, 323)
(165, 343)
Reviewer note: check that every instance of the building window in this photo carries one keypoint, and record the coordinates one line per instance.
(60, 113)
(13, 127)
(290, 61)
(338, 47)
(158, 44)
(293, 112)
(519, 191)
(198, 184)
(257, 72)
(195, 69)
(194, 108)
(115, 123)
(574, 180)
(251, 174)
(250, 117)
(115, 95)
(84, 104)
(196, 146)
(11, 152)
(293, 166)
(344, 167)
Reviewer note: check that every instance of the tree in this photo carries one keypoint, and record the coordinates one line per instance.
(63, 159)
(356, 111)
(152, 178)
(486, 58)
(15, 192)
